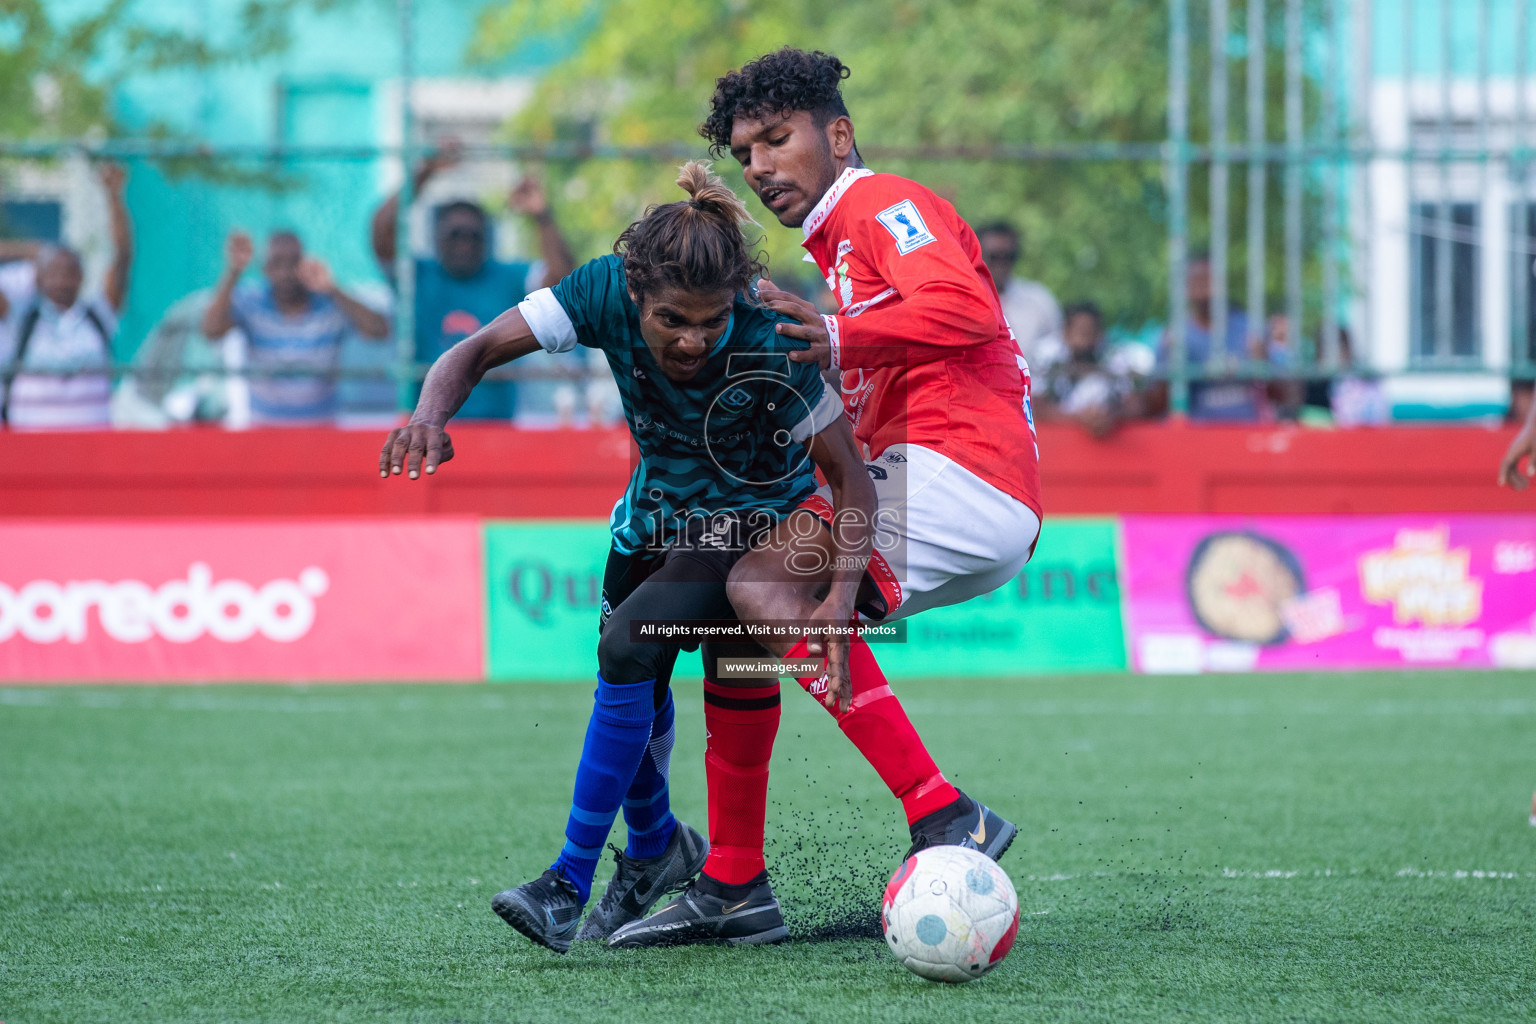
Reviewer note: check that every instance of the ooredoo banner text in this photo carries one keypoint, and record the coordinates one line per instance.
(326, 600)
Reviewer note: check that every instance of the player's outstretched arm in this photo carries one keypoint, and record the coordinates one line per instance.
(423, 444)
(1522, 447)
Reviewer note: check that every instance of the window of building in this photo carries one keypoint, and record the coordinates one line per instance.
(1438, 337)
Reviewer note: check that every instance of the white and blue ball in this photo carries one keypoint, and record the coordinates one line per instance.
(950, 914)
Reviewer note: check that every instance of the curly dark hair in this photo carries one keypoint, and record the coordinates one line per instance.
(781, 82)
(695, 244)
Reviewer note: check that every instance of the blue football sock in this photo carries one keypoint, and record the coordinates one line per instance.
(615, 743)
(647, 808)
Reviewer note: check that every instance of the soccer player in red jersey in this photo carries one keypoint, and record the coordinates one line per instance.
(937, 391)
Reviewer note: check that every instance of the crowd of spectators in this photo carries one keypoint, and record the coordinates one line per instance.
(1250, 374)
(280, 342)
(277, 341)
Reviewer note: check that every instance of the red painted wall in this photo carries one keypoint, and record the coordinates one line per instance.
(539, 474)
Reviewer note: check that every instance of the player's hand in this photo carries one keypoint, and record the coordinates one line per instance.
(1522, 447)
(529, 198)
(450, 153)
(414, 447)
(316, 277)
(827, 637)
(239, 250)
(112, 177)
(808, 325)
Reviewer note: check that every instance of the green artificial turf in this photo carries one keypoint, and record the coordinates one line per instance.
(1327, 848)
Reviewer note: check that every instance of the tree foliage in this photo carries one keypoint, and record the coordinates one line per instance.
(980, 74)
(44, 86)
(57, 74)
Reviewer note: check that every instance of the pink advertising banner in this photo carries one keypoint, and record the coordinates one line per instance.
(364, 600)
(1233, 594)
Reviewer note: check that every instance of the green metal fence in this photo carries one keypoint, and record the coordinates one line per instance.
(1392, 189)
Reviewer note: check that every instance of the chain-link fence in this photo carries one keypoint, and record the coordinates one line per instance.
(1342, 194)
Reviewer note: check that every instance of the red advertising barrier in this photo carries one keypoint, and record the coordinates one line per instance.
(333, 600)
(502, 472)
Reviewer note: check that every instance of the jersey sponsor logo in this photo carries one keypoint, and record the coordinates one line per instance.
(877, 472)
(906, 226)
(894, 457)
(838, 280)
(736, 399)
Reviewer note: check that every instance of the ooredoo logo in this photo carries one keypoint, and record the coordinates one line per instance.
(180, 610)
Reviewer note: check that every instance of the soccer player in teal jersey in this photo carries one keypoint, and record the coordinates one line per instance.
(728, 429)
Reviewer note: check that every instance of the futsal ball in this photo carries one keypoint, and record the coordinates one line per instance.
(950, 914)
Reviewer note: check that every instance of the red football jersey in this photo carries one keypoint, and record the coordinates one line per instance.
(925, 352)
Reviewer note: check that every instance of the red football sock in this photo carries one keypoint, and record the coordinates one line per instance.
(878, 725)
(741, 722)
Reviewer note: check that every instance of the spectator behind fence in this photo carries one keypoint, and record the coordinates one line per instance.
(294, 324)
(1031, 309)
(1090, 386)
(56, 350)
(1230, 389)
(460, 290)
(1351, 398)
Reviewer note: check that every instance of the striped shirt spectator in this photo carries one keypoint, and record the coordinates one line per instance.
(59, 361)
(292, 357)
(294, 323)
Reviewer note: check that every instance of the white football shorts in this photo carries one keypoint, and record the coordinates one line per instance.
(943, 535)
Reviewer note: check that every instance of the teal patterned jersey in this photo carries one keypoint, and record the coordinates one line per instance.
(729, 440)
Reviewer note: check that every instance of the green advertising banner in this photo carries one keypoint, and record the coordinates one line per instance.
(544, 583)
(1062, 614)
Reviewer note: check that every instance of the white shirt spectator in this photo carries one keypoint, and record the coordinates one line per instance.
(1035, 317)
(63, 379)
(18, 283)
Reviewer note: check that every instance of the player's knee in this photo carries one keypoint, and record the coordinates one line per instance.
(621, 659)
(745, 595)
(757, 597)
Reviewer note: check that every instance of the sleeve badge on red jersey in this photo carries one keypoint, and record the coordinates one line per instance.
(906, 225)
